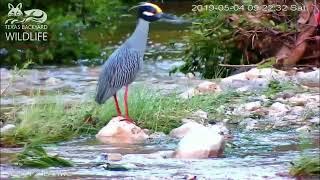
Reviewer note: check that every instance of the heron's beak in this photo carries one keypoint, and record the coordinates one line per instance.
(166, 16)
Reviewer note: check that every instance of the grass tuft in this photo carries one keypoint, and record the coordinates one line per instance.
(306, 166)
(36, 156)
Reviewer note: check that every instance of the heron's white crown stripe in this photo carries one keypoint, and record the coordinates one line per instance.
(148, 13)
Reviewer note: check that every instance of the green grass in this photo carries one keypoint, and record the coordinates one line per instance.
(275, 87)
(57, 121)
(306, 166)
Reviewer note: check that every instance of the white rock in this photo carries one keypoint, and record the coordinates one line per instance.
(189, 93)
(226, 120)
(309, 78)
(281, 123)
(114, 157)
(278, 109)
(251, 106)
(208, 87)
(264, 98)
(315, 120)
(205, 87)
(244, 109)
(7, 129)
(181, 131)
(190, 75)
(304, 129)
(297, 101)
(53, 81)
(201, 142)
(249, 124)
(190, 177)
(105, 157)
(297, 110)
(121, 132)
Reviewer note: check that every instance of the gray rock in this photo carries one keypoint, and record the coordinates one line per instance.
(309, 78)
(253, 80)
(315, 120)
(250, 124)
(304, 129)
(251, 106)
(157, 135)
(297, 110)
(278, 109)
(198, 117)
(281, 124)
(3, 52)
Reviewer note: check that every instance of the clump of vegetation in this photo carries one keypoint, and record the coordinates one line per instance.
(229, 32)
(306, 166)
(211, 43)
(276, 86)
(35, 156)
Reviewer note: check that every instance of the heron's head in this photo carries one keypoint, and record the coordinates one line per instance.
(150, 12)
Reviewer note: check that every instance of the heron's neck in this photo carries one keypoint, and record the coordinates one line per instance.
(138, 39)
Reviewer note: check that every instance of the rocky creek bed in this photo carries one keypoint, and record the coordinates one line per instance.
(273, 117)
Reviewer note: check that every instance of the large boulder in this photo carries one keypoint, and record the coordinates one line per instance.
(118, 131)
(201, 142)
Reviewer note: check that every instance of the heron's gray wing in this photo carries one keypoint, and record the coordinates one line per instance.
(120, 69)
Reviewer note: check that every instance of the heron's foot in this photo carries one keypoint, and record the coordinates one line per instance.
(128, 120)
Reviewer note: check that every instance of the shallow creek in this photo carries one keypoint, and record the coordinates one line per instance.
(254, 156)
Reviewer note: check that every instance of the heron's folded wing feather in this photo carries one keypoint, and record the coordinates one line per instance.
(119, 70)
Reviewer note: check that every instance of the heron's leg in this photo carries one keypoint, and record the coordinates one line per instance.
(126, 104)
(117, 105)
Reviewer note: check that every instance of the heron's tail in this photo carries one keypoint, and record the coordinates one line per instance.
(104, 93)
(99, 98)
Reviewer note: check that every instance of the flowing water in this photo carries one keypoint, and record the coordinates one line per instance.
(255, 156)
(75, 83)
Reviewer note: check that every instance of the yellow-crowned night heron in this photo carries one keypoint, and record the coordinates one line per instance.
(124, 63)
